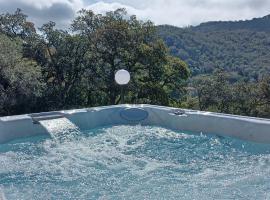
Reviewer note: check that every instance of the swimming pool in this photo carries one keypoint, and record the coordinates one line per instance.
(125, 153)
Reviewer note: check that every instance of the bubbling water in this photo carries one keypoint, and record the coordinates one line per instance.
(134, 162)
(61, 128)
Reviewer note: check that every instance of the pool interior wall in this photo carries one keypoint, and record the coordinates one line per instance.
(245, 128)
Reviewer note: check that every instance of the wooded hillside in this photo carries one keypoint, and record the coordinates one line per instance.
(241, 47)
(47, 68)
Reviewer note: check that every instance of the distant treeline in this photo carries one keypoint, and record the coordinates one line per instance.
(217, 92)
(54, 69)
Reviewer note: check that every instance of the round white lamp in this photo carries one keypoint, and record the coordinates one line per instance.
(122, 77)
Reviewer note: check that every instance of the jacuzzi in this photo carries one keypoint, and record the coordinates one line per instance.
(134, 152)
(246, 128)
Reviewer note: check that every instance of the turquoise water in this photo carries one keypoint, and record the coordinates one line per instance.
(134, 162)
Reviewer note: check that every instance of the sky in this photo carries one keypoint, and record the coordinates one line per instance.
(174, 12)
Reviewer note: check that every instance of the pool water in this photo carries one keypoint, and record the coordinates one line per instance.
(134, 162)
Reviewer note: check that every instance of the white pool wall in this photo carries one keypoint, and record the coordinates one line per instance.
(246, 128)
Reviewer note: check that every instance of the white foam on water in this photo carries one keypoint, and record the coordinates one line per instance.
(2, 195)
(131, 162)
(60, 128)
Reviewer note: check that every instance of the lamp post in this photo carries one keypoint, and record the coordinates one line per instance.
(122, 77)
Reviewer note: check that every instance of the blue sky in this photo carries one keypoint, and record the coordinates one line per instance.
(174, 12)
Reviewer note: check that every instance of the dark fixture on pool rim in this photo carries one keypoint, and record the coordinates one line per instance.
(122, 77)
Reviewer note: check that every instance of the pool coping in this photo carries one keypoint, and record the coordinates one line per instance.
(91, 109)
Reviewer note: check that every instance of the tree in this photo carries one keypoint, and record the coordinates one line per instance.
(63, 60)
(20, 79)
(264, 97)
(16, 25)
(117, 41)
(55, 69)
(214, 91)
(204, 87)
(244, 98)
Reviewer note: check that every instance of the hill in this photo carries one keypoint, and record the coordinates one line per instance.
(256, 24)
(241, 47)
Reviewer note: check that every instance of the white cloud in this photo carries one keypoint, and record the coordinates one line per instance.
(174, 12)
(44, 4)
(43, 11)
(102, 8)
(188, 12)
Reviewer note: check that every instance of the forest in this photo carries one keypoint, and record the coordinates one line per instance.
(47, 68)
(229, 64)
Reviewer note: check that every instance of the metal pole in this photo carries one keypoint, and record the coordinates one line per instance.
(122, 94)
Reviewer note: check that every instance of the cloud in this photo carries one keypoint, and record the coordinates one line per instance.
(40, 11)
(102, 8)
(187, 12)
(174, 12)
